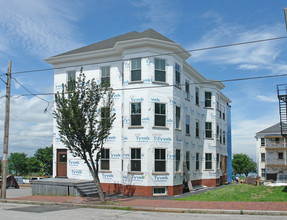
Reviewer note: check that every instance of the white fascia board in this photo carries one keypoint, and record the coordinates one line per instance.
(224, 98)
(118, 49)
(200, 78)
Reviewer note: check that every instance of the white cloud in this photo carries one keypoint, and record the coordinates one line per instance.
(248, 66)
(159, 15)
(261, 55)
(30, 127)
(264, 98)
(39, 27)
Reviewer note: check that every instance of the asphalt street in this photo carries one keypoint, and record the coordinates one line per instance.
(14, 211)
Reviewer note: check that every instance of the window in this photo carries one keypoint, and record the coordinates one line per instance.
(208, 161)
(177, 160)
(262, 141)
(187, 155)
(105, 116)
(160, 160)
(280, 156)
(217, 161)
(207, 99)
(160, 115)
(217, 132)
(208, 129)
(220, 112)
(136, 70)
(177, 117)
(277, 140)
(187, 90)
(135, 159)
(220, 136)
(159, 191)
(223, 113)
(263, 173)
(177, 75)
(187, 125)
(136, 114)
(224, 137)
(105, 159)
(197, 129)
(262, 157)
(196, 95)
(105, 76)
(159, 70)
(197, 161)
(71, 77)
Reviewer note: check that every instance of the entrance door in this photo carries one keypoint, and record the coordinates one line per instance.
(61, 163)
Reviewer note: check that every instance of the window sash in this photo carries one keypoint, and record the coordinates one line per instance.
(197, 161)
(135, 159)
(262, 157)
(71, 77)
(177, 160)
(262, 141)
(105, 76)
(196, 95)
(208, 130)
(136, 69)
(177, 117)
(105, 115)
(207, 99)
(160, 74)
(160, 114)
(187, 90)
(135, 114)
(187, 124)
(160, 160)
(187, 161)
(208, 161)
(263, 173)
(197, 129)
(105, 159)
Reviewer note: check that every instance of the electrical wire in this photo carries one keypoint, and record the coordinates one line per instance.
(169, 85)
(156, 55)
(46, 109)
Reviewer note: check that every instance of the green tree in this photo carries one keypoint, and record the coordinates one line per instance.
(32, 165)
(45, 156)
(84, 120)
(17, 164)
(243, 164)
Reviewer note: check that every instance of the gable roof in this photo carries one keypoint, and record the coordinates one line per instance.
(274, 129)
(110, 43)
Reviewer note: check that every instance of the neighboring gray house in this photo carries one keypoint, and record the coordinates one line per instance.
(271, 154)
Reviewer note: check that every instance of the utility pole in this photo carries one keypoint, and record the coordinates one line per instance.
(285, 13)
(6, 134)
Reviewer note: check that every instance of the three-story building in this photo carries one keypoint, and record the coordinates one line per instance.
(171, 122)
(271, 154)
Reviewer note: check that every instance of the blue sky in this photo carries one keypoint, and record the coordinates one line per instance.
(31, 30)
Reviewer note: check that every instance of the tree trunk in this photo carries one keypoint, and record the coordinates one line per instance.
(98, 184)
(95, 175)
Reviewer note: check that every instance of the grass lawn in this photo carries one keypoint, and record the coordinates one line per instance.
(243, 192)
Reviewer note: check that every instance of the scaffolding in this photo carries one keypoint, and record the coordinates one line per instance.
(282, 96)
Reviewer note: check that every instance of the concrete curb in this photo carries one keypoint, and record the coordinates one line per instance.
(155, 209)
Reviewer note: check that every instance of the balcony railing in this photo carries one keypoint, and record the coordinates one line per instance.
(275, 163)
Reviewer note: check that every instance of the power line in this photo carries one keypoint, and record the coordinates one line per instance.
(46, 109)
(156, 55)
(182, 84)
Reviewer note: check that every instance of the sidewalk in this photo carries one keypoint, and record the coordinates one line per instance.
(150, 204)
